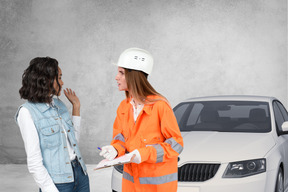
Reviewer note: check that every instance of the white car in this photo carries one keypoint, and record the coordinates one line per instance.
(231, 143)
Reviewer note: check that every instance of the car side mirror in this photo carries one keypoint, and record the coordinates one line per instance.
(285, 126)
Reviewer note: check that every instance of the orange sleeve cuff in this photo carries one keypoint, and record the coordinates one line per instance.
(120, 149)
(148, 154)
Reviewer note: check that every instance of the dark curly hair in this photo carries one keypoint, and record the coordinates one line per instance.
(38, 79)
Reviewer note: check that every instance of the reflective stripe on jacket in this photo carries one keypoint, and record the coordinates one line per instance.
(157, 137)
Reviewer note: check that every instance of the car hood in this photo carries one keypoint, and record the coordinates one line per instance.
(224, 147)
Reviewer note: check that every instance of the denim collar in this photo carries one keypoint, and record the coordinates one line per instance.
(45, 106)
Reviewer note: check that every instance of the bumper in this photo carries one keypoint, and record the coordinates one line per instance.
(116, 181)
(264, 182)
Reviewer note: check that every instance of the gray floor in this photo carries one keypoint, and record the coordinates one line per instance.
(16, 178)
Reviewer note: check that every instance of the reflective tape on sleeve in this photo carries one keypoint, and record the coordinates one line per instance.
(176, 146)
(119, 137)
(122, 146)
(160, 153)
(158, 180)
(128, 177)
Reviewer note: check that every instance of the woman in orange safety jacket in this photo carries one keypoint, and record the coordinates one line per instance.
(145, 126)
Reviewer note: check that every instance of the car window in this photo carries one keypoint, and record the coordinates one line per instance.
(179, 111)
(278, 116)
(194, 114)
(283, 110)
(226, 116)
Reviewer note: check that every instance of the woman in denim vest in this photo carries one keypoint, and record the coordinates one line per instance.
(50, 136)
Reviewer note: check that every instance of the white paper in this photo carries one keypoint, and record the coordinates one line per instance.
(119, 160)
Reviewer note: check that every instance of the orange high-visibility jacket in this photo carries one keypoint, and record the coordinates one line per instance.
(157, 137)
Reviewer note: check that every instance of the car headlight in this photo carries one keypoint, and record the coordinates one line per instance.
(245, 168)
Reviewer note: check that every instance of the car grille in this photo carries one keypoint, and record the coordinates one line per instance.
(197, 172)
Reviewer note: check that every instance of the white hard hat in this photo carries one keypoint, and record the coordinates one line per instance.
(137, 59)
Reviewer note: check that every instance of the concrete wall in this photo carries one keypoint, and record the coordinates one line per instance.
(200, 47)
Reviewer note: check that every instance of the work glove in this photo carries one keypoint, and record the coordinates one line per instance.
(137, 156)
(108, 152)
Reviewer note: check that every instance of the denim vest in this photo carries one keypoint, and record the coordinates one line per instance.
(50, 122)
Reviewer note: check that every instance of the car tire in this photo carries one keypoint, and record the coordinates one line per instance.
(113, 190)
(279, 181)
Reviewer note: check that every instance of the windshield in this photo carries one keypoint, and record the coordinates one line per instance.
(226, 116)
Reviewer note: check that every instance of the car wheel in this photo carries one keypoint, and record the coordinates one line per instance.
(279, 181)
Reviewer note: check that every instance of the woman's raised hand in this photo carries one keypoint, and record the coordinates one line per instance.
(74, 100)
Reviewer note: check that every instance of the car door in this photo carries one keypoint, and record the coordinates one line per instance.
(281, 115)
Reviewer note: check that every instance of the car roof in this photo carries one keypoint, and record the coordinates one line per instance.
(233, 98)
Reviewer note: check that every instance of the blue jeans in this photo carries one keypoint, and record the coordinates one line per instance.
(81, 181)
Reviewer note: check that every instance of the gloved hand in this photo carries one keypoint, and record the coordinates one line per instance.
(137, 158)
(108, 152)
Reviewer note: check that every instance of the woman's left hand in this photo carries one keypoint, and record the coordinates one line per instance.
(72, 97)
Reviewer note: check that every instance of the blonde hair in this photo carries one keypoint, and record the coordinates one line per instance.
(140, 88)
